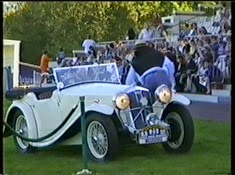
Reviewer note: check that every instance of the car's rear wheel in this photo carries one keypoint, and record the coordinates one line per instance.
(102, 138)
(181, 129)
(20, 126)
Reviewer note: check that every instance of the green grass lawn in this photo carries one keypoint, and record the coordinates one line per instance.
(211, 154)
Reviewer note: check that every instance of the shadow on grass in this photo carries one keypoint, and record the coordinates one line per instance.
(61, 151)
(201, 145)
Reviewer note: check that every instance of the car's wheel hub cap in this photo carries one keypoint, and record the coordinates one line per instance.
(21, 131)
(101, 138)
(175, 130)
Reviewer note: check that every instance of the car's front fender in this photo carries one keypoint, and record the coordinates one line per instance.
(176, 99)
(180, 98)
(101, 108)
(29, 116)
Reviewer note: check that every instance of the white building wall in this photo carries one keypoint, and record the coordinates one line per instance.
(11, 57)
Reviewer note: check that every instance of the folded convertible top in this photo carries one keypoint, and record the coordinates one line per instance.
(18, 93)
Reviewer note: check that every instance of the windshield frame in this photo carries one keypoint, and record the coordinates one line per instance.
(84, 82)
(88, 82)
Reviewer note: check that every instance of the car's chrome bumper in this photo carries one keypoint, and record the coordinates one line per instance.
(155, 133)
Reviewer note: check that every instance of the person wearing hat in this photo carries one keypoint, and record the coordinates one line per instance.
(149, 61)
(146, 57)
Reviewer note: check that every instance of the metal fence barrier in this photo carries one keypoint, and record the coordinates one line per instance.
(29, 74)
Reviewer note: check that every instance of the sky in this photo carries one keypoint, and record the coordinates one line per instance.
(9, 5)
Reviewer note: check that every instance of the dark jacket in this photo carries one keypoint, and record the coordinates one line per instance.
(131, 34)
(146, 58)
(186, 48)
(181, 69)
(125, 71)
(192, 66)
(214, 74)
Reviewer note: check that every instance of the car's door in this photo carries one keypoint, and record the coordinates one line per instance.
(67, 102)
(48, 113)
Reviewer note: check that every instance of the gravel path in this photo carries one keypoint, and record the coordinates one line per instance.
(211, 111)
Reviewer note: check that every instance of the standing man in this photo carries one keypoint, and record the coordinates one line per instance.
(44, 66)
(144, 58)
(156, 27)
(88, 45)
(146, 34)
(149, 68)
(61, 56)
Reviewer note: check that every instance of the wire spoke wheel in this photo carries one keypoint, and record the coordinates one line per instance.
(181, 134)
(97, 139)
(21, 128)
(102, 137)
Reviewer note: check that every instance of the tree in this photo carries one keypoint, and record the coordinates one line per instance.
(51, 25)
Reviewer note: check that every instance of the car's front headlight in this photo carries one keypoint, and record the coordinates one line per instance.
(163, 94)
(122, 101)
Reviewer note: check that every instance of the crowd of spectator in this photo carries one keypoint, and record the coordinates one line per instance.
(201, 59)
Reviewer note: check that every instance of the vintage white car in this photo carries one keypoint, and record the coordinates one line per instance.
(113, 111)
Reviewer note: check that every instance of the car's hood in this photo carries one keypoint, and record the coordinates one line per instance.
(105, 89)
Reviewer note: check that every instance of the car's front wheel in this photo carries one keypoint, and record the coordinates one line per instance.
(181, 129)
(20, 126)
(102, 137)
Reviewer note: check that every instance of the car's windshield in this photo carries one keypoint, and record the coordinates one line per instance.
(68, 76)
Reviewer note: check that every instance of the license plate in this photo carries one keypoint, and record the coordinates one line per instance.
(152, 135)
(153, 140)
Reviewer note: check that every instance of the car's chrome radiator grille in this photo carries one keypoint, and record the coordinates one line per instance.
(139, 110)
